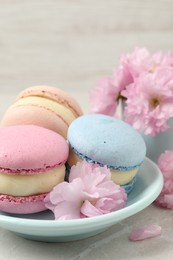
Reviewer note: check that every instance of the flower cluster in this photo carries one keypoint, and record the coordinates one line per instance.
(144, 81)
(165, 162)
(89, 192)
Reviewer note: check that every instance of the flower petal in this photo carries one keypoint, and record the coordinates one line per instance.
(89, 210)
(79, 170)
(103, 97)
(65, 191)
(66, 210)
(145, 232)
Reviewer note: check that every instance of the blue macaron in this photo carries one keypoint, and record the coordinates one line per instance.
(107, 141)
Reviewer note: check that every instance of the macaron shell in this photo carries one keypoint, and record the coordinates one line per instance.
(31, 148)
(35, 115)
(22, 205)
(107, 140)
(44, 106)
(55, 94)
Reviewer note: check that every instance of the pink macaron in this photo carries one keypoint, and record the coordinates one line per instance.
(32, 162)
(44, 106)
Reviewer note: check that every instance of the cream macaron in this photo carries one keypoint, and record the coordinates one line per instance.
(107, 141)
(44, 106)
(32, 162)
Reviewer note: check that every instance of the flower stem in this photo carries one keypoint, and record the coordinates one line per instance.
(120, 109)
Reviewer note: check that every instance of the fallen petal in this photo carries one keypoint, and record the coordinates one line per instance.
(145, 232)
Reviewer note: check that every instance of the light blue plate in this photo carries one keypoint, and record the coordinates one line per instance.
(42, 227)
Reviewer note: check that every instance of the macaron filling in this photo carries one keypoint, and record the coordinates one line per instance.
(27, 185)
(59, 109)
(54, 94)
(119, 174)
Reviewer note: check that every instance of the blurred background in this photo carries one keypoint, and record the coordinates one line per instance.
(71, 43)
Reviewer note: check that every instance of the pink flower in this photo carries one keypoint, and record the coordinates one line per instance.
(145, 81)
(90, 192)
(135, 62)
(149, 102)
(104, 96)
(165, 162)
(141, 61)
(122, 78)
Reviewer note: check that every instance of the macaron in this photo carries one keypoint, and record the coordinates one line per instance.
(44, 106)
(32, 162)
(105, 140)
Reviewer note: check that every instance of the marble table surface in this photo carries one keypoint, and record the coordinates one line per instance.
(111, 244)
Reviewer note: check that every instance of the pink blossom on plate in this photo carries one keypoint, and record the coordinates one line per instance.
(86, 170)
(90, 192)
(145, 232)
(149, 102)
(165, 163)
(103, 97)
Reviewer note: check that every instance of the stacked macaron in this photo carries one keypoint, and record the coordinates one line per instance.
(32, 162)
(107, 141)
(44, 106)
(33, 147)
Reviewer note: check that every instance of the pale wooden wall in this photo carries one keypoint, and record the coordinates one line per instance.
(70, 43)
